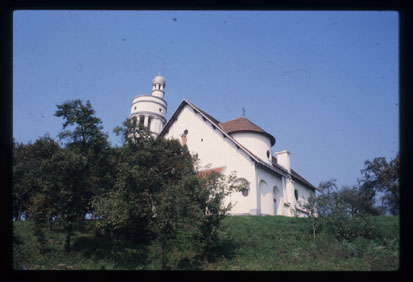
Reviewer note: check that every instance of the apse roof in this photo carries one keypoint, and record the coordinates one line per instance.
(242, 124)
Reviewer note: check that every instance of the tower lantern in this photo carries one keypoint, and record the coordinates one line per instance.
(158, 86)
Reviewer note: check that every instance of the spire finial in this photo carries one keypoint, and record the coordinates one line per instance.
(243, 111)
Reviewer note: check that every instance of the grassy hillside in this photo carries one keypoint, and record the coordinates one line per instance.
(249, 243)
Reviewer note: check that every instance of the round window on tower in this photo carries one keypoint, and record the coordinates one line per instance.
(185, 131)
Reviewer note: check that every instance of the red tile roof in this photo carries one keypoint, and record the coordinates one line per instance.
(205, 172)
(242, 124)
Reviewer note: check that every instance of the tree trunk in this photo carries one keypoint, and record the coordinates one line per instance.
(313, 228)
(163, 255)
(19, 214)
(50, 223)
(68, 234)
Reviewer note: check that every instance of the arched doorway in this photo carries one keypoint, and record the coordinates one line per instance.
(267, 201)
(276, 199)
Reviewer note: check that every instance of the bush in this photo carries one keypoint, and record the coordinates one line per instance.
(349, 228)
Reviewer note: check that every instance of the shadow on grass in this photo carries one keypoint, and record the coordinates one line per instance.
(126, 256)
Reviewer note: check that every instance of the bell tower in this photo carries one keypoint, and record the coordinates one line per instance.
(150, 110)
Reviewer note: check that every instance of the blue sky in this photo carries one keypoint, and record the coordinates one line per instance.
(325, 84)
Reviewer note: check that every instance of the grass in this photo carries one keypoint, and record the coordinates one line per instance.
(249, 243)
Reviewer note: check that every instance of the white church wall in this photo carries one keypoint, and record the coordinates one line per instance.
(215, 150)
(303, 194)
(270, 187)
(257, 144)
(289, 195)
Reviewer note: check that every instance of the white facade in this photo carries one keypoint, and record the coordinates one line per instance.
(271, 187)
(274, 188)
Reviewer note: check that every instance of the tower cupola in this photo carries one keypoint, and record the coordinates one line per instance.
(158, 86)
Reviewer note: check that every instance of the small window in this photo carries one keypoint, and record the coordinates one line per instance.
(296, 194)
(245, 192)
(242, 183)
(268, 154)
(185, 131)
(160, 110)
(134, 108)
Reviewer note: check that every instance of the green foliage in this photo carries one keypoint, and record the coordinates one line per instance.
(250, 243)
(332, 211)
(359, 201)
(29, 173)
(382, 176)
(82, 168)
(215, 187)
(86, 134)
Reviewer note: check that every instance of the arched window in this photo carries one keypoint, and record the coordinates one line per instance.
(242, 183)
(276, 193)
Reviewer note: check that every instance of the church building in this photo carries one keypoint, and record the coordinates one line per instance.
(239, 145)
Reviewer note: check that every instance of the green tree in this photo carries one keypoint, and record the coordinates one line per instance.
(84, 169)
(23, 186)
(359, 202)
(331, 212)
(310, 206)
(68, 168)
(82, 131)
(159, 192)
(382, 176)
(214, 188)
(29, 176)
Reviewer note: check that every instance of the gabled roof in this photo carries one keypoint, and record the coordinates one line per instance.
(242, 124)
(301, 179)
(217, 125)
(294, 175)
